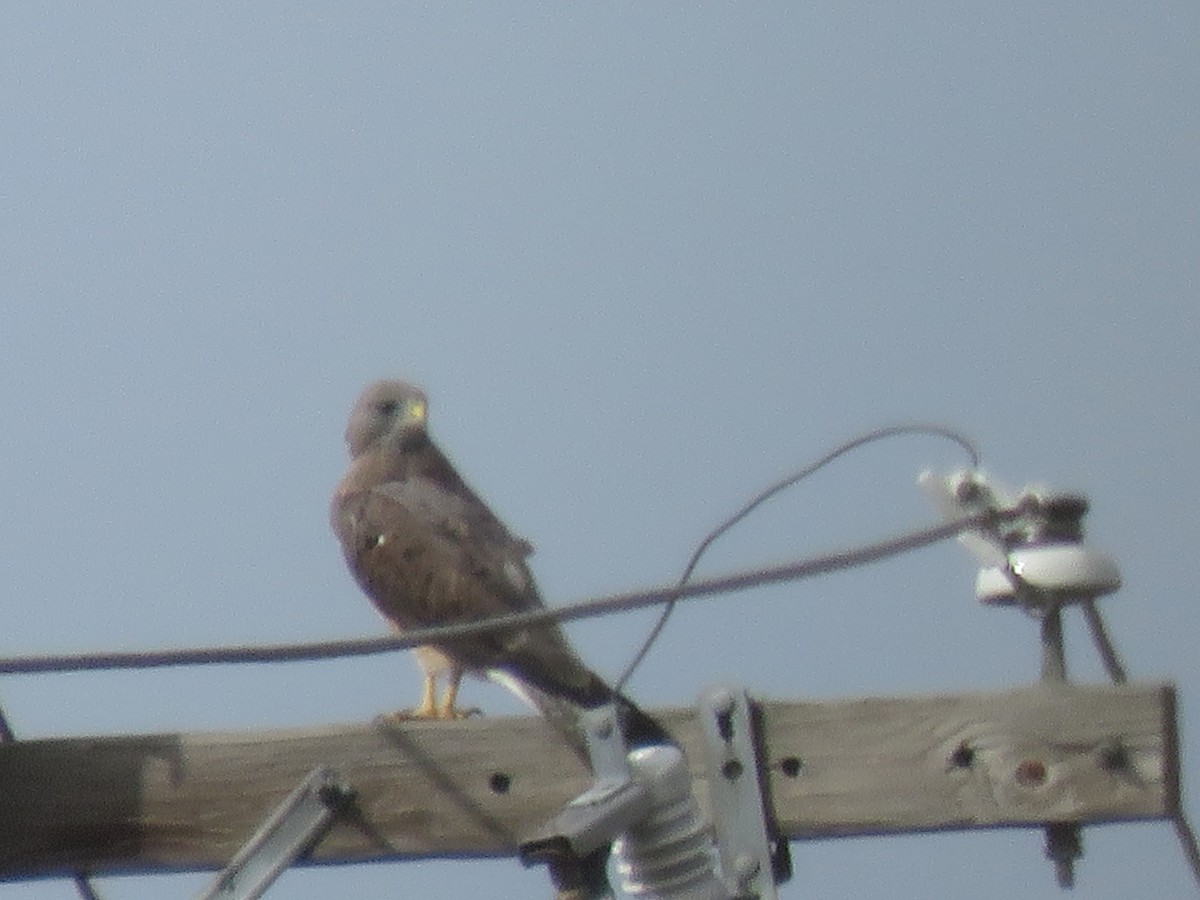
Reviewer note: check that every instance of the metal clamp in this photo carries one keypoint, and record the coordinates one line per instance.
(1036, 558)
(751, 862)
(641, 800)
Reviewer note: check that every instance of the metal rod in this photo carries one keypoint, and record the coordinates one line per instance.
(1187, 840)
(1104, 646)
(84, 887)
(1054, 662)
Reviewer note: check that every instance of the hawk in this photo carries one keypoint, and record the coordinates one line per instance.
(428, 551)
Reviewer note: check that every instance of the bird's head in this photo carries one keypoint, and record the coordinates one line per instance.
(386, 413)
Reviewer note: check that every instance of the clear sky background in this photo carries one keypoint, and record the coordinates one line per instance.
(645, 259)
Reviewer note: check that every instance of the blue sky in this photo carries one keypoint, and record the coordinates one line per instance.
(645, 259)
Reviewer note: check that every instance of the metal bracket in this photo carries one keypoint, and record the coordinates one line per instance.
(605, 746)
(641, 800)
(282, 838)
(749, 866)
(613, 802)
(588, 824)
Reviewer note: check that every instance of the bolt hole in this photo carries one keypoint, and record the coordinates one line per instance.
(335, 796)
(732, 770)
(500, 783)
(1031, 773)
(963, 757)
(791, 766)
(1114, 757)
(725, 725)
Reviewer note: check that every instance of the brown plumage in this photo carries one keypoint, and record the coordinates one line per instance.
(428, 551)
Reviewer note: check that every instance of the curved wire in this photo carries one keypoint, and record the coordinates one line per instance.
(685, 588)
(770, 491)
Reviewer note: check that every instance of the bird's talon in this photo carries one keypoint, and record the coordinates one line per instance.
(405, 715)
(402, 716)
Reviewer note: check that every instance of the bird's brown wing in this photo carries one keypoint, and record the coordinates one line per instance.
(429, 556)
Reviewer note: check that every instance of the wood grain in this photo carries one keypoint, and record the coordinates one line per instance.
(149, 803)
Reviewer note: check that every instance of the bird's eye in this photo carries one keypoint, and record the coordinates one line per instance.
(388, 407)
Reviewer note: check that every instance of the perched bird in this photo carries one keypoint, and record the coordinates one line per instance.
(427, 551)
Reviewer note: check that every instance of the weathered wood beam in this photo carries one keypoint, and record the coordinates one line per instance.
(475, 787)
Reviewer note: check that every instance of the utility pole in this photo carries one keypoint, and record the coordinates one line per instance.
(1053, 755)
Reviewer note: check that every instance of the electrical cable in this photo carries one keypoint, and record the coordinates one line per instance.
(770, 491)
(736, 581)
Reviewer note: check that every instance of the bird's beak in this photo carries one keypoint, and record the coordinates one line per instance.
(416, 411)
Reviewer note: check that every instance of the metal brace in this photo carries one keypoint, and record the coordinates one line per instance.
(642, 801)
(282, 837)
(589, 823)
(605, 809)
(748, 864)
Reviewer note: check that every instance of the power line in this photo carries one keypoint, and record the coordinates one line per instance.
(614, 603)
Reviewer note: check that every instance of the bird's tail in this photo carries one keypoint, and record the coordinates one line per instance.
(638, 727)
